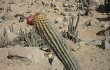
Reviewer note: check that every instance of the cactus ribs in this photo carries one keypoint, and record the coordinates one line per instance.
(55, 41)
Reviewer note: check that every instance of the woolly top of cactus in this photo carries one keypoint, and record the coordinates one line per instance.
(38, 16)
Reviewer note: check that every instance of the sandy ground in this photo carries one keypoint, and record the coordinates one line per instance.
(89, 57)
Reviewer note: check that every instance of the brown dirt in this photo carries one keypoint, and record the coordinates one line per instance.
(89, 57)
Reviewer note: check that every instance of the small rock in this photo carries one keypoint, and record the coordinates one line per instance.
(11, 2)
(16, 41)
(1, 20)
(95, 42)
(87, 23)
(44, 3)
(65, 5)
(56, 64)
(104, 26)
(65, 19)
(52, 5)
(68, 10)
(63, 14)
(9, 16)
(1, 9)
(64, 33)
(60, 27)
(72, 5)
(105, 45)
(21, 19)
(59, 19)
(32, 3)
(56, 8)
(108, 28)
(108, 38)
(72, 46)
(11, 36)
(101, 33)
(55, 21)
(33, 54)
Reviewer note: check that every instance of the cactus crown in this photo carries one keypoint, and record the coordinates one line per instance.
(40, 17)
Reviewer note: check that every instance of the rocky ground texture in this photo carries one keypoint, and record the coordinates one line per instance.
(92, 52)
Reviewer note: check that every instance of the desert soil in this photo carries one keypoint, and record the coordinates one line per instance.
(90, 57)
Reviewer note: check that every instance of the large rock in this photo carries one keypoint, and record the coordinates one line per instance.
(56, 65)
(23, 58)
(9, 16)
(33, 54)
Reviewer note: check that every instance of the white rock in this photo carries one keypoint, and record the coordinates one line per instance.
(59, 19)
(10, 16)
(34, 54)
(56, 65)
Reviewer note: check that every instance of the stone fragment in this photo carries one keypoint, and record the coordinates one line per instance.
(63, 14)
(56, 65)
(1, 20)
(21, 19)
(53, 5)
(59, 19)
(65, 4)
(88, 23)
(10, 16)
(32, 54)
(105, 44)
(95, 42)
(65, 19)
(55, 21)
(60, 27)
(68, 10)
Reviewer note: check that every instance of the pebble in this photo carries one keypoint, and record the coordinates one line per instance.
(56, 9)
(52, 5)
(88, 23)
(60, 27)
(55, 21)
(63, 14)
(65, 5)
(1, 20)
(56, 65)
(59, 19)
(72, 5)
(1, 10)
(106, 45)
(68, 10)
(65, 19)
(95, 42)
(10, 16)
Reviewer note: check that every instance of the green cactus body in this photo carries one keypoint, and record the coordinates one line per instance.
(55, 41)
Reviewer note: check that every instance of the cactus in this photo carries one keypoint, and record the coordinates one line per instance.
(11, 28)
(25, 38)
(55, 41)
(30, 38)
(5, 35)
(8, 9)
(72, 30)
(4, 39)
(21, 34)
(70, 26)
